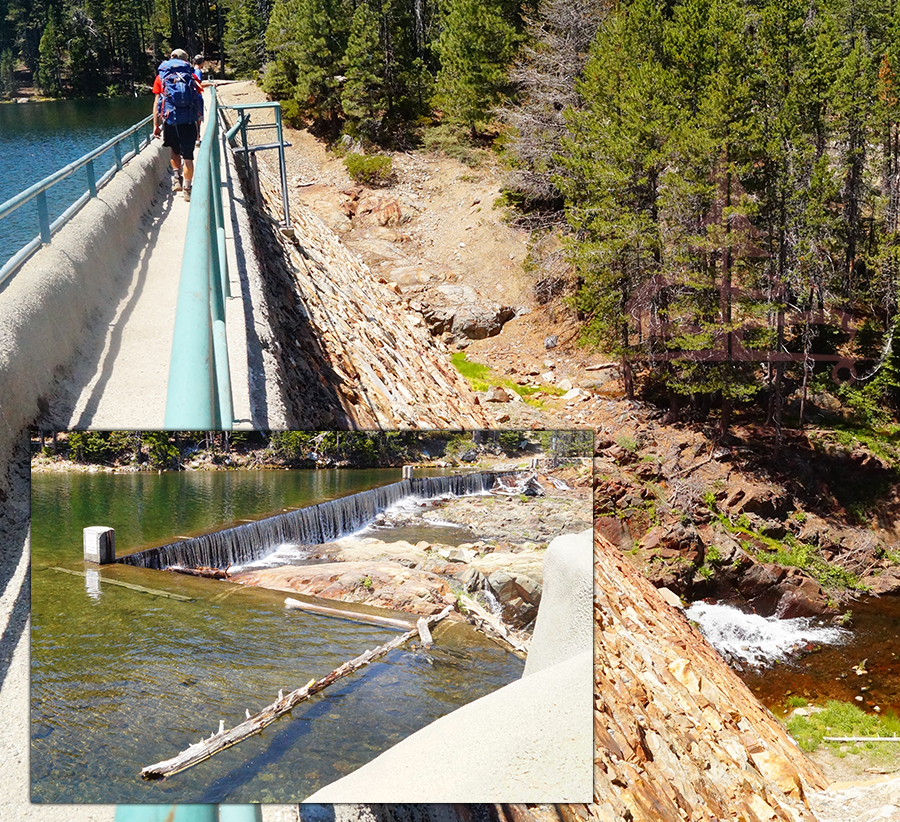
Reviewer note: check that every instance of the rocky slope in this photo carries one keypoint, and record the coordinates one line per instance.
(742, 523)
(434, 254)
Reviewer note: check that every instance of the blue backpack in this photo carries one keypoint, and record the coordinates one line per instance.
(181, 101)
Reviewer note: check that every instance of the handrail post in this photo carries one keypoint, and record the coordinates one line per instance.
(117, 149)
(43, 216)
(92, 178)
(283, 166)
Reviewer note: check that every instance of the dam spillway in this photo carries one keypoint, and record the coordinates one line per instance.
(311, 525)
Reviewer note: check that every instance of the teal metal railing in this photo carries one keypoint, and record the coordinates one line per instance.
(199, 390)
(130, 139)
(244, 126)
(188, 813)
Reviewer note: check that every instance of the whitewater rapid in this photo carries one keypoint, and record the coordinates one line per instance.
(756, 640)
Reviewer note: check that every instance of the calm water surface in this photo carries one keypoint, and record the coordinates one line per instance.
(39, 138)
(123, 678)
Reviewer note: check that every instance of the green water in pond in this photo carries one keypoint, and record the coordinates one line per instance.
(122, 678)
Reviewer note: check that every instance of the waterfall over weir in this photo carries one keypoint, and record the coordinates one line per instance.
(314, 525)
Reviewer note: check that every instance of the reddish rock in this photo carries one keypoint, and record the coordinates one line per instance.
(802, 597)
(615, 531)
(884, 582)
(760, 578)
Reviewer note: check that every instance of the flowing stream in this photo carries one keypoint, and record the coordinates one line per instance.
(757, 640)
(131, 665)
(809, 658)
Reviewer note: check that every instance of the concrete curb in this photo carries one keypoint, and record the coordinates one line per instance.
(531, 741)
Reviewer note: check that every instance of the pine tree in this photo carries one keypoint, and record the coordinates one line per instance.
(49, 79)
(242, 38)
(550, 62)
(84, 42)
(614, 162)
(363, 96)
(476, 47)
(280, 74)
(8, 83)
(309, 38)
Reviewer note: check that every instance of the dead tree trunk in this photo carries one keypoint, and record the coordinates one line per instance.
(223, 739)
(488, 624)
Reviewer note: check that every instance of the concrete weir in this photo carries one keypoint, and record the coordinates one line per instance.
(48, 307)
(312, 525)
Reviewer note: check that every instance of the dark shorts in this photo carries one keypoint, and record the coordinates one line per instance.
(181, 139)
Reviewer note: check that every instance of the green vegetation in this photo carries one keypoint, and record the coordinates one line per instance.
(353, 447)
(476, 45)
(790, 552)
(370, 171)
(481, 378)
(721, 184)
(846, 719)
(627, 443)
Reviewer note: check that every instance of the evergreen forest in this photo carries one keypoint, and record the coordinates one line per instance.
(723, 176)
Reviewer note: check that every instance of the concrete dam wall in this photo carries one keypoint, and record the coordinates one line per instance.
(50, 304)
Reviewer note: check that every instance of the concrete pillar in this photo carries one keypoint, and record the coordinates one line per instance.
(407, 472)
(99, 544)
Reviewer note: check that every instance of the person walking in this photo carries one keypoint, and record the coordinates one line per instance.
(199, 61)
(177, 109)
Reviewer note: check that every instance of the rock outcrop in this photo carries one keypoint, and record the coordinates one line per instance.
(728, 523)
(383, 584)
(352, 352)
(678, 735)
(460, 312)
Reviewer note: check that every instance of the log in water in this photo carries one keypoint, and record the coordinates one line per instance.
(223, 738)
(313, 525)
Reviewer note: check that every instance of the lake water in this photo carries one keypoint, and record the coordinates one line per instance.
(37, 139)
(123, 678)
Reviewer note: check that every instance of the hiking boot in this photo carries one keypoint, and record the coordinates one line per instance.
(176, 183)
(187, 192)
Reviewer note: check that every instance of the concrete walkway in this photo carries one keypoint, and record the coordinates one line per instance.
(121, 377)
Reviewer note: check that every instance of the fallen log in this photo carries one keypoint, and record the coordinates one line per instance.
(222, 739)
(208, 573)
(357, 616)
(108, 581)
(487, 623)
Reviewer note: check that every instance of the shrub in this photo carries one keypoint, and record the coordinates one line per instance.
(290, 113)
(370, 170)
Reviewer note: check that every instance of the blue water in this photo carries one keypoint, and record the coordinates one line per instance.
(37, 139)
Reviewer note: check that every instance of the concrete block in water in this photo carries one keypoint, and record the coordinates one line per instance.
(99, 544)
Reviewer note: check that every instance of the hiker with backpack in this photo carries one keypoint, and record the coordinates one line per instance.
(178, 106)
